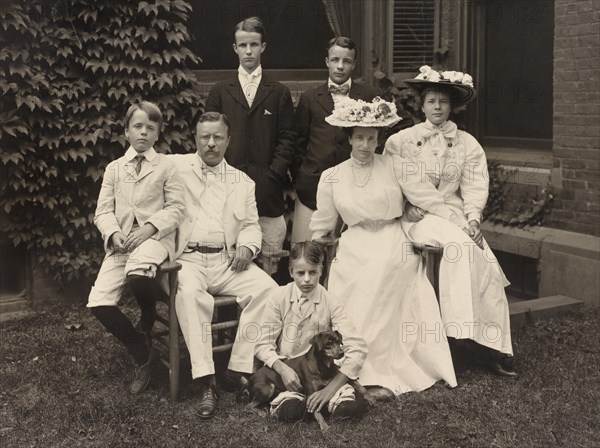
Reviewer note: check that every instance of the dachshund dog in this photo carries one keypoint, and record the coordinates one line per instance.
(315, 369)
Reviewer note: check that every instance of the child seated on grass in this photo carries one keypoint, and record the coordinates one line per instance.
(139, 208)
(293, 315)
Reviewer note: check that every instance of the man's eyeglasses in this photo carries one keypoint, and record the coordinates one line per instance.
(217, 138)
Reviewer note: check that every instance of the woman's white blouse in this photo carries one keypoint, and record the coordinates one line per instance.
(451, 159)
(380, 200)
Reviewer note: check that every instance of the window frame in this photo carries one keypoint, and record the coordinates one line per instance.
(477, 58)
(390, 33)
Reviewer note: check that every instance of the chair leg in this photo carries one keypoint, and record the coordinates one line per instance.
(436, 274)
(433, 258)
(173, 339)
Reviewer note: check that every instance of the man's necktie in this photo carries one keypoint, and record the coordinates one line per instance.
(138, 163)
(342, 90)
(211, 171)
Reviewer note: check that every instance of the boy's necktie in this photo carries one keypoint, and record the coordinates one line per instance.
(138, 163)
(342, 90)
(251, 87)
(301, 306)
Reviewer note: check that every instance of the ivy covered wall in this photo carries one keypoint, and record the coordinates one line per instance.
(69, 71)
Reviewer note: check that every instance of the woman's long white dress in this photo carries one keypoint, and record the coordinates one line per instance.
(471, 283)
(382, 281)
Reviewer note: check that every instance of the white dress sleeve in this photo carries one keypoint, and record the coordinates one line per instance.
(324, 219)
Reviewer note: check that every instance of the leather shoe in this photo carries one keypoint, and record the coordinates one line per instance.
(234, 381)
(207, 407)
(142, 374)
(379, 393)
(503, 366)
(291, 410)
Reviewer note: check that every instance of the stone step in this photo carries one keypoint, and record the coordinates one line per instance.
(13, 308)
(524, 312)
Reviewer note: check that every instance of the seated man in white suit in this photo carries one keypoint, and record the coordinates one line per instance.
(217, 241)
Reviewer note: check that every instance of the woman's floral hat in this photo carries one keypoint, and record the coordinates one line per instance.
(349, 113)
(460, 83)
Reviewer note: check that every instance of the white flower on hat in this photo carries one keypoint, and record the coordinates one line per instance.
(351, 112)
(453, 76)
(427, 73)
(461, 83)
(467, 80)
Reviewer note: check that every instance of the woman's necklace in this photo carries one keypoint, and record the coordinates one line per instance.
(358, 168)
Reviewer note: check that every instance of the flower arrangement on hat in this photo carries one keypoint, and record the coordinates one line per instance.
(429, 74)
(461, 84)
(349, 112)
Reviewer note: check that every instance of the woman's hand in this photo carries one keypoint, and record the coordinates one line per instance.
(475, 233)
(290, 378)
(413, 213)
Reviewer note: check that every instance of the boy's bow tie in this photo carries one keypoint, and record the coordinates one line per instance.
(339, 89)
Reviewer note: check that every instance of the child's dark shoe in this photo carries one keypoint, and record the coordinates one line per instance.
(142, 374)
(291, 410)
(234, 381)
(350, 409)
(379, 393)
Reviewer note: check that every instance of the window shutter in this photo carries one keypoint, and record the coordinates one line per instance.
(414, 34)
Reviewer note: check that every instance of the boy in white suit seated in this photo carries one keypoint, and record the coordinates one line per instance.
(139, 208)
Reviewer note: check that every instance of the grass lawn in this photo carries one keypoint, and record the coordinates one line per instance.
(70, 388)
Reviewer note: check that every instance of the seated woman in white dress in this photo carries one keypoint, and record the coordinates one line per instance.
(471, 283)
(376, 274)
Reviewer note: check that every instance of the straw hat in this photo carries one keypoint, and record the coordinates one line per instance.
(459, 83)
(349, 112)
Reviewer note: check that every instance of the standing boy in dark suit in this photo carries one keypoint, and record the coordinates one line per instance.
(319, 145)
(261, 114)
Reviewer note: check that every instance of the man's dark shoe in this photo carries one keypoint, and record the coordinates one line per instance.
(142, 374)
(234, 381)
(207, 407)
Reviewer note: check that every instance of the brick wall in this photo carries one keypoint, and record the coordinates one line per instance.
(576, 146)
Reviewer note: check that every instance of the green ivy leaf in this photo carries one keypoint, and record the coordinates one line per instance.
(65, 52)
(19, 68)
(89, 15)
(174, 37)
(14, 157)
(13, 127)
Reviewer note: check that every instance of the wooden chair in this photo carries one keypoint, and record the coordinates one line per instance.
(273, 257)
(431, 254)
(167, 332)
(330, 245)
(168, 335)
